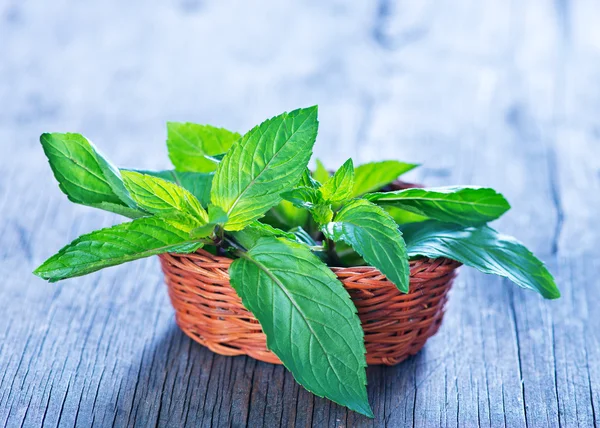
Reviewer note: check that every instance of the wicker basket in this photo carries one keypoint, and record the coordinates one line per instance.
(396, 325)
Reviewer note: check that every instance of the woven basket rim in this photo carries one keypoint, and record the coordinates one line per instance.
(364, 268)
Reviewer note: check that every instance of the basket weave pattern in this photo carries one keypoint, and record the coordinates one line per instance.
(396, 325)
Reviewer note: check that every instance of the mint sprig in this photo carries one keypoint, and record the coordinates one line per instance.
(253, 197)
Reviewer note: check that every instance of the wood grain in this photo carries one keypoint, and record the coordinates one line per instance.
(492, 93)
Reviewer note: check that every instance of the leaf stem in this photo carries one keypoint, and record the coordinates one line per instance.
(332, 255)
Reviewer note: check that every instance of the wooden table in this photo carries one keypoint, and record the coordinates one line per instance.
(496, 93)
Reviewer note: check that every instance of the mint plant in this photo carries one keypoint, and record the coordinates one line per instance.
(253, 198)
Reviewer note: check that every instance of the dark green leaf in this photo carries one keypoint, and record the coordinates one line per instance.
(371, 177)
(85, 176)
(249, 236)
(163, 198)
(197, 183)
(308, 317)
(122, 243)
(375, 236)
(321, 173)
(285, 215)
(339, 187)
(195, 148)
(484, 249)
(303, 236)
(265, 162)
(467, 206)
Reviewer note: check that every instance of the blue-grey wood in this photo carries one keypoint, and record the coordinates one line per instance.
(494, 93)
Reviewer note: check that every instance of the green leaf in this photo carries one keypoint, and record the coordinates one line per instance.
(339, 187)
(307, 181)
(84, 175)
(120, 209)
(285, 215)
(265, 162)
(303, 236)
(216, 217)
(303, 197)
(401, 216)
(467, 206)
(322, 213)
(370, 177)
(197, 183)
(122, 243)
(249, 236)
(163, 198)
(375, 236)
(308, 317)
(321, 173)
(484, 249)
(195, 148)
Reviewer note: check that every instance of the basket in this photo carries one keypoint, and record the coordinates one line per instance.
(396, 325)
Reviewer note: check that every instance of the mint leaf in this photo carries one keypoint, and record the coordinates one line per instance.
(375, 236)
(484, 249)
(307, 181)
(285, 215)
(85, 176)
(370, 177)
(122, 243)
(195, 148)
(303, 236)
(321, 173)
(322, 213)
(216, 217)
(249, 236)
(401, 216)
(265, 162)
(339, 187)
(308, 317)
(467, 206)
(163, 198)
(303, 197)
(197, 183)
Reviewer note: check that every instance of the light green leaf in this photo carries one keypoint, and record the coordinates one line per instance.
(484, 249)
(339, 187)
(321, 173)
(197, 183)
(467, 206)
(195, 148)
(372, 176)
(322, 213)
(375, 236)
(121, 210)
(401, 216)
(308, 317)
(249, 236)
(303, 197)
(84, 175)
(122, 243)
(163, 198)
(265, 162)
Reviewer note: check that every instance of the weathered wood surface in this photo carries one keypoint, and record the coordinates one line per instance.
(493, 93)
